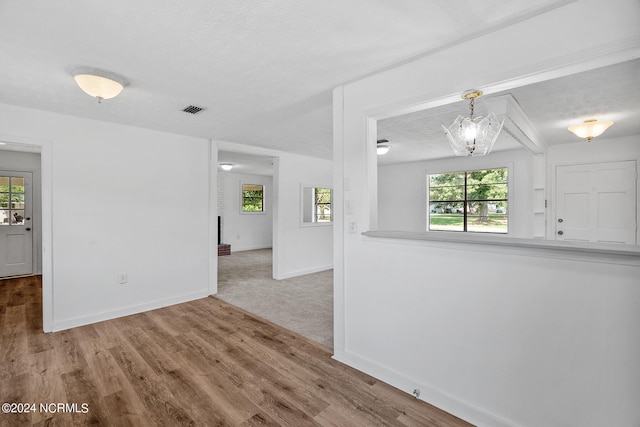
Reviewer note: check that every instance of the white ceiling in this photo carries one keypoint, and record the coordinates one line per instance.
(264, 69)
(608, 93)
(246, 163)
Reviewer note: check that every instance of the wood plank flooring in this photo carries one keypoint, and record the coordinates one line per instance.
(201, 363)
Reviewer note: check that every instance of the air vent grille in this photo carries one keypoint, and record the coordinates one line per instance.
(193, 109)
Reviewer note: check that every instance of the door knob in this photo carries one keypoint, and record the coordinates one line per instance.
(560, 220)
(560, 233)
(28, 218)
(28, 229)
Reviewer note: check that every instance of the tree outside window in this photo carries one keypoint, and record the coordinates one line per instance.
(471, 201)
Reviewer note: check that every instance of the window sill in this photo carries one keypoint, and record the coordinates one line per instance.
(316, 224)
(593, 252)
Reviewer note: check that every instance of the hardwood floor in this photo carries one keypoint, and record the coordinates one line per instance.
(202, 363)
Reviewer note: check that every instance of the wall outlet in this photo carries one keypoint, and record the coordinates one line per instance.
(122, 278)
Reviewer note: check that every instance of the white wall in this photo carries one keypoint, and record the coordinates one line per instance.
(125, 200)
(28, 162)
(402, 190)
(297, 249)
(303, 249)
(245, 231)
(498, 337)
(511, 337)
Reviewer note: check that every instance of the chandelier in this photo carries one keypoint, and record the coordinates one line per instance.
(473, 136)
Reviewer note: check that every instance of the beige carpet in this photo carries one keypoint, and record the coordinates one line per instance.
(302, 304)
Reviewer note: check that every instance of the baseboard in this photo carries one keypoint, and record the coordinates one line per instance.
(126, 311)
(297, 273)
(249, 248)
(442, 400)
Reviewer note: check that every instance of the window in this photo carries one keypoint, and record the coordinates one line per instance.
(12, 200)
(316, 205)
(252, 198)
(322, 205)
(474, 201)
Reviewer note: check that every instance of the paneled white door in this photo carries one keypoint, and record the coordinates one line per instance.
(597, 202)
(16, 235)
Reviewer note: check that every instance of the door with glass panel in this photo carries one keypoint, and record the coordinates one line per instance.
(16, 235)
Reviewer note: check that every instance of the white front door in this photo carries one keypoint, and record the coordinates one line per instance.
(596, 202)
(16, 235)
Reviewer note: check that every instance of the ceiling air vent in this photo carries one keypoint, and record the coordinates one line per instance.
(193, 109)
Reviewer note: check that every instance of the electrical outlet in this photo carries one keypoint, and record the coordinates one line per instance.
(122, 278)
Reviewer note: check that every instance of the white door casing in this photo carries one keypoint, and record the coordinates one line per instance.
(596, 202)
(16, 229)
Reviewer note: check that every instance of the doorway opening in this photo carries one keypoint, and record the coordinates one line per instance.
(25, 230)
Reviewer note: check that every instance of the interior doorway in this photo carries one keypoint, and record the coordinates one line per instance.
(16, 224)
(32, 156)
(246, 203)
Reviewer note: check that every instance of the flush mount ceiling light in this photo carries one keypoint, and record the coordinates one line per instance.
(98, 83)
(589, 129)
(473, 136)
(382, 148)
(226, 166)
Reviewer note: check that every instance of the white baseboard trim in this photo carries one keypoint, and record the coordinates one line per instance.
(61, 325)
(442, 400)
(297, 273)
(249, 248)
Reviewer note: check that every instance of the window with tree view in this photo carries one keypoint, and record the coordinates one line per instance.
(473, 201)
(252, 198)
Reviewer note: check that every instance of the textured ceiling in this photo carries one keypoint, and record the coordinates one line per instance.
(263, 69)
(608, 93)
(246, 163)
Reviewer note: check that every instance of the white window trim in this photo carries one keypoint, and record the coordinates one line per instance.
(314, 224)
(264, 199)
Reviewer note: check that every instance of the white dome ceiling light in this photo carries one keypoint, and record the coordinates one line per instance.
(98, 83)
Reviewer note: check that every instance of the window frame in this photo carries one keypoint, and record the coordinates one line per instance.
(465, 201)
(11, 207)
(304, 200)
(242, 199)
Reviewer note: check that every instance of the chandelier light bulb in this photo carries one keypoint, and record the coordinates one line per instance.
(470, 133)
